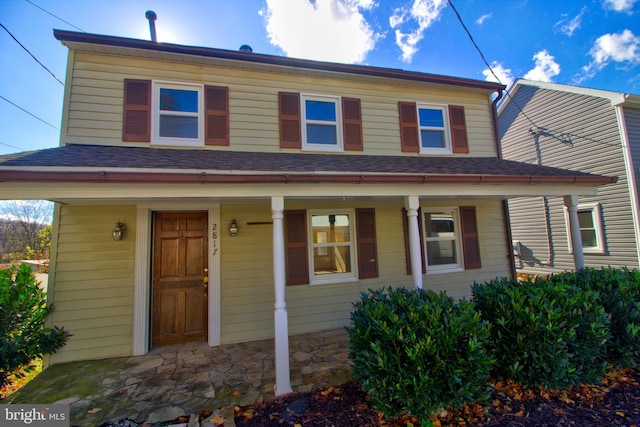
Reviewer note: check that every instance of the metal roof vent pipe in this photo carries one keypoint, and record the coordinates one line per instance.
(151, 16)
(245, 48)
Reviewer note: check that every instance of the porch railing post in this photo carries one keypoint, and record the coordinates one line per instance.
(283, 382)
(571, 202)
(412, 204)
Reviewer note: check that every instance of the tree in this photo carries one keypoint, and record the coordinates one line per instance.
(21, 228)
(23, 311)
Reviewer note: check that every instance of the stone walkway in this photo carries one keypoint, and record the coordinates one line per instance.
(171, 382)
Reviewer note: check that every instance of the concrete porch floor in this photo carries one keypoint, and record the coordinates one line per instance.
(181, 380)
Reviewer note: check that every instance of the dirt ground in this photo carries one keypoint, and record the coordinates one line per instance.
(615, 402)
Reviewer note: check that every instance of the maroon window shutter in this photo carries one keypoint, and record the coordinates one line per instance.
(216, 106)
(470, 241)
(409, 141)
(352, 124)
(367, 249)
(289, 107)
(407, 250)
(136, 117)
(458, 129)
(296, 255)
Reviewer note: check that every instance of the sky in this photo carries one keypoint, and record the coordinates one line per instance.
(589, 43)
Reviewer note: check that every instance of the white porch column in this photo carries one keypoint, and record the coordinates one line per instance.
(412, 203)
(283, 383)
(571, 202)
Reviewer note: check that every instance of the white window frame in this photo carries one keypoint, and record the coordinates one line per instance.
(334, 277)
(596, 216)
(446, 128)
(447, 268)
(155, 116)
(339, 146)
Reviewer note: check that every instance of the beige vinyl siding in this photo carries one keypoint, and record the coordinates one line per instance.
(247, 293)
(94, 274)
(578, 132)
(95, 112)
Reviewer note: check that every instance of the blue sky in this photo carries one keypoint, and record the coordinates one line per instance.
(592, 43)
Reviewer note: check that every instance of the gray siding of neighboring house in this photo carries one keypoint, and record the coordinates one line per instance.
(577, 132)
(632, 121)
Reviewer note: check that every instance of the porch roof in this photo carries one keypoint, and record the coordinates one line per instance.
(94, 163)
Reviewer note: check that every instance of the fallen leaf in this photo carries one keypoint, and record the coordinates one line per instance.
(327, 391)
(622, 414)
(520, 413)
(216, 420)
(94, 410)
(236, 393)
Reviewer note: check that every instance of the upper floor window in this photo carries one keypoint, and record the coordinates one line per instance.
(178, 114)
(319, 122)
(432, 129)
(322, 127)
(178, 111)
(175, 113)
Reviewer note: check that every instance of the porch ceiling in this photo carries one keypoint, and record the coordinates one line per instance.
(79, 171)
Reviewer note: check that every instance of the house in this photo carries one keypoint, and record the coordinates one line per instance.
(227, 196)
(581, 129)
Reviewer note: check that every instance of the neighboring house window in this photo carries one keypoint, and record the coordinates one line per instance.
(175, 113)
(432, 129)
(449, 239)
(319, 122)
(591, 230)
(321, 127)
(330, 246)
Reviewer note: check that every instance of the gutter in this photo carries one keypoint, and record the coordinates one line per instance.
(284, 178)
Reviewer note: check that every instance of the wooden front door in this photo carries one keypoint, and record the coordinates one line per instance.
(179, 278)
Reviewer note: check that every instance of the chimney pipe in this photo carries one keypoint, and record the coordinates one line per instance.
(151, 16)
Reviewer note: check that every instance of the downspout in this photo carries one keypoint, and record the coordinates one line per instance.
(505, 202)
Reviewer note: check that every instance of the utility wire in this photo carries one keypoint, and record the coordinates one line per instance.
(57, 17)
(487, 63)
(9, 145)
(29, 113)
(32, 55)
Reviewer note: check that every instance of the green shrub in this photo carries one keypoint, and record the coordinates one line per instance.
(416, 351)
(544, 333)
(619, 294)
(23, 311)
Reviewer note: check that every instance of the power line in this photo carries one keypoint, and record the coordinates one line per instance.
(32, 55)
(57, 17)
(29, 113)
(487, 63)
(9, 145)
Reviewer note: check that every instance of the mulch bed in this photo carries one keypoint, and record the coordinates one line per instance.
(614, 402)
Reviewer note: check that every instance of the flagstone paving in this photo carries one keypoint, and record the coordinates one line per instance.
(176, 381)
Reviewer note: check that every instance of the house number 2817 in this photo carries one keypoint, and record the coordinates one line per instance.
(214, 236)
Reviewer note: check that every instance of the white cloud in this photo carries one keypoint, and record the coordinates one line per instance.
(483, 18)
(568, 27)
(546, 67)
(619, 5)
(504, 75)
(326, 30)
(623, 47)
(423, 13)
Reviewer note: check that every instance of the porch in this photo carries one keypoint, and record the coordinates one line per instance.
(179, 380)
